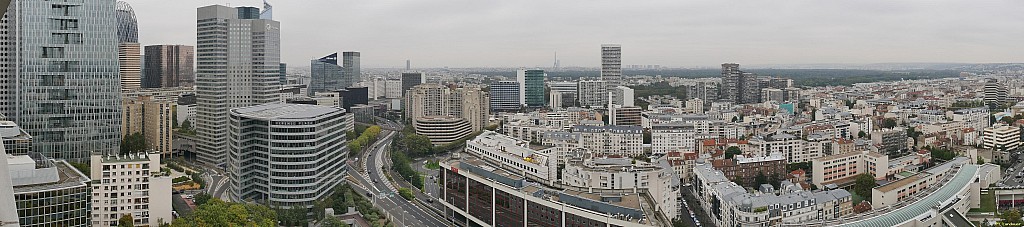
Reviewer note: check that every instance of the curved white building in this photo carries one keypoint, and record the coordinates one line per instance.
(443, 130)
(285, 155)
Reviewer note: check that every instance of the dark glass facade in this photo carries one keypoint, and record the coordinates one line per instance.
(480, 204)
(508, 209)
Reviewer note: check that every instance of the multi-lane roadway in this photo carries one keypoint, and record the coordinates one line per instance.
(385, 195)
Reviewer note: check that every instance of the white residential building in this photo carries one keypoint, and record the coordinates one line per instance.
(130, 185)
(612, 140)
(673, 137)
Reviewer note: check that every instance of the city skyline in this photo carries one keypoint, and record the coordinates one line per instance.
(667, 33)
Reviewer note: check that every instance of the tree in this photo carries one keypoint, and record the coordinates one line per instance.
(863, 185)
(862, 134)
(332, 221)
(1011, 216)
(417, 145)
(201, 198)
(292, 217)
(406, 193)
(981, 161)
(126, 221)
(133, 143)
(760, 179)
(186, 125)
(732, 151)
(219, 213)
(889, 123)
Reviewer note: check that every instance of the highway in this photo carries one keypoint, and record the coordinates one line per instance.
(386, 197)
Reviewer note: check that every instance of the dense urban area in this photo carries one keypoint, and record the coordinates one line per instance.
(101, 131)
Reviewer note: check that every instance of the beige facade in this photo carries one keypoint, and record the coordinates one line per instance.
(129, 61)
(150, 117)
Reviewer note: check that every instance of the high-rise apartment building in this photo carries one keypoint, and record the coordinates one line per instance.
(60, 76)
(238, 61)
(535, 88)
(273, 172)
(739, 87)
(130, 185)
(169, 66)
(592, 93)
(611, 65)
(150, 117)
(350, 67)
(505, 96)
(432, 104)
(611, 69)
(995, 93)
(282, 73)
(409, 80)
(128, 55)
(325, 75)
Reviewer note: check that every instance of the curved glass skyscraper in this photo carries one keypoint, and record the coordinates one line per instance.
(127, 26)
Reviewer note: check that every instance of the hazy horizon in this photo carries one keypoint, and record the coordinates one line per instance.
(701, 33)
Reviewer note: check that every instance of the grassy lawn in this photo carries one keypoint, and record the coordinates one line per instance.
(431, 164)
(988, 203)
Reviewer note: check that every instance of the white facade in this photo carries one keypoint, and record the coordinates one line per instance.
(393, 89)
(673, 137)
(130, 185)
(513, 154)
(612, 140)
(1001, 137)
(592, 93)
(624, 96)
(186, 113)
(297, 151)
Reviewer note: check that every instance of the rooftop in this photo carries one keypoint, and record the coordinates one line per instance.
(275, 111)
(926, 204)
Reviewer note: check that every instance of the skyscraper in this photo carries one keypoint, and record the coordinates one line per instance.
(409, 80)
(169, 66)
(611, 65)
(995, 94)
(408, 64)
(505, 96)
(350, 67)
(128, 47)
(325, 75)
(253, 57)
(63, 89)
(535, 88)
(739, 87)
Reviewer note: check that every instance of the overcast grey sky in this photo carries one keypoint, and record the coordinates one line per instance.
(690, 33)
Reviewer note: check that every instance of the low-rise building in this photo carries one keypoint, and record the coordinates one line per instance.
(612, 140)
(745, 170)
(729, 204)
(47, 192)
(673, 137)
(842, 169)
(1002, 138)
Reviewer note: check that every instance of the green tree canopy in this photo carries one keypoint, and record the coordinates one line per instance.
(732, 151)
(126, 221)
(863, 185)
(133, 143)
(219, 213)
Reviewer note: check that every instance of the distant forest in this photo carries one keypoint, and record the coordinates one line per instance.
(801, 77)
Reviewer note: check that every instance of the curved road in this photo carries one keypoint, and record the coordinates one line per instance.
(404, 212)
